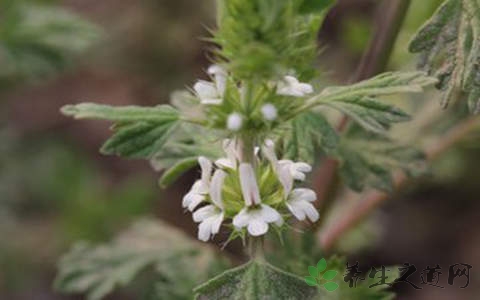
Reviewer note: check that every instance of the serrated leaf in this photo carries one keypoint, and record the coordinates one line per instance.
(360, 102)
(330, 286)
(369, 161)
(330, 274)
(309, 132)
(172, 174)
(321, 265)
(311, 281)
(255, 280)
(139, 140)
(98, 270)
(313, 271)
(140, 132)
(449, 44)
(160, 113)
(38, 40)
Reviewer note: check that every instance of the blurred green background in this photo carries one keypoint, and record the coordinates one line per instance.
(55, 188)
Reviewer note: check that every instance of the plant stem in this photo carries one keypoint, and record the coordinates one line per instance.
(354, 214)
(389, 18)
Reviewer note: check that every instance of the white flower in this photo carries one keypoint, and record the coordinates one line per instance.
(255, 216)
(200, 188)
(211, 216)
(257, 219)
(287, 171)
(220, 75)
(234, 121)
(208, 93)
(269, 112)
(248, 183)
(297, 169)
(290, 86)
(230, 162)
(300, 204)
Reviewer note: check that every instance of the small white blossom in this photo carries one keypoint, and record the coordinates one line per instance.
(287, 171)
(255, 216)
(200, 188)
(230, 162)
(300, 204)
(211, 216)
(269, 112)
(248, 183)
(220, 75)
(208, 93)
(257, 219)
(290, 86)
(234, 122)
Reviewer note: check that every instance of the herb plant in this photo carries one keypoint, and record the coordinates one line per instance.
(257, 127)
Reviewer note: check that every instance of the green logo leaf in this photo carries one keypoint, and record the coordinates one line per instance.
(322, 265)
(313, 271)
(329, 275)
(311, 281)
(330, 286)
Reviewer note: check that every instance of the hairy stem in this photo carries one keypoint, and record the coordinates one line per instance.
(356, 213)
(389, 20)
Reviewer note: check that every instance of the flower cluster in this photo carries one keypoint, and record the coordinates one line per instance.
(252, 195)
(225, 100)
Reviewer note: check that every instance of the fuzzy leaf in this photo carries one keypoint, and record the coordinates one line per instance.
(309, 133)
(98, 270)
(176, 171)
(161, 113)
(449, 44)
(140, 132)
(255, 280)
(359, 100)
(370, 162)
(38, 40)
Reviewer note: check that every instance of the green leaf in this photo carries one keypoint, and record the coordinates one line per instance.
(311, 281)
(38, 40)
(160, 113)
(98, 270)
(176, 171)
(315, 6)
(330, 286)
(329, 275)
(313, 271)
(449, 44)
(140, 132)
(255, 280)
(368, 161)
(321, 265)
(360, 102)
(309, 132)
(138, 140)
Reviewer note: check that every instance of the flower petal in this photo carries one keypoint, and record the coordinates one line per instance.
(268, 214)
(268, 151)
(242, 218)
(310, 211)
(248, 182)
(205, 230)
(192, 200)
(257, 227)
(217, 223)
(205, 90)
(216, 187)
(303, 194)
(296, 210)
(206, 166)
(205, 213)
